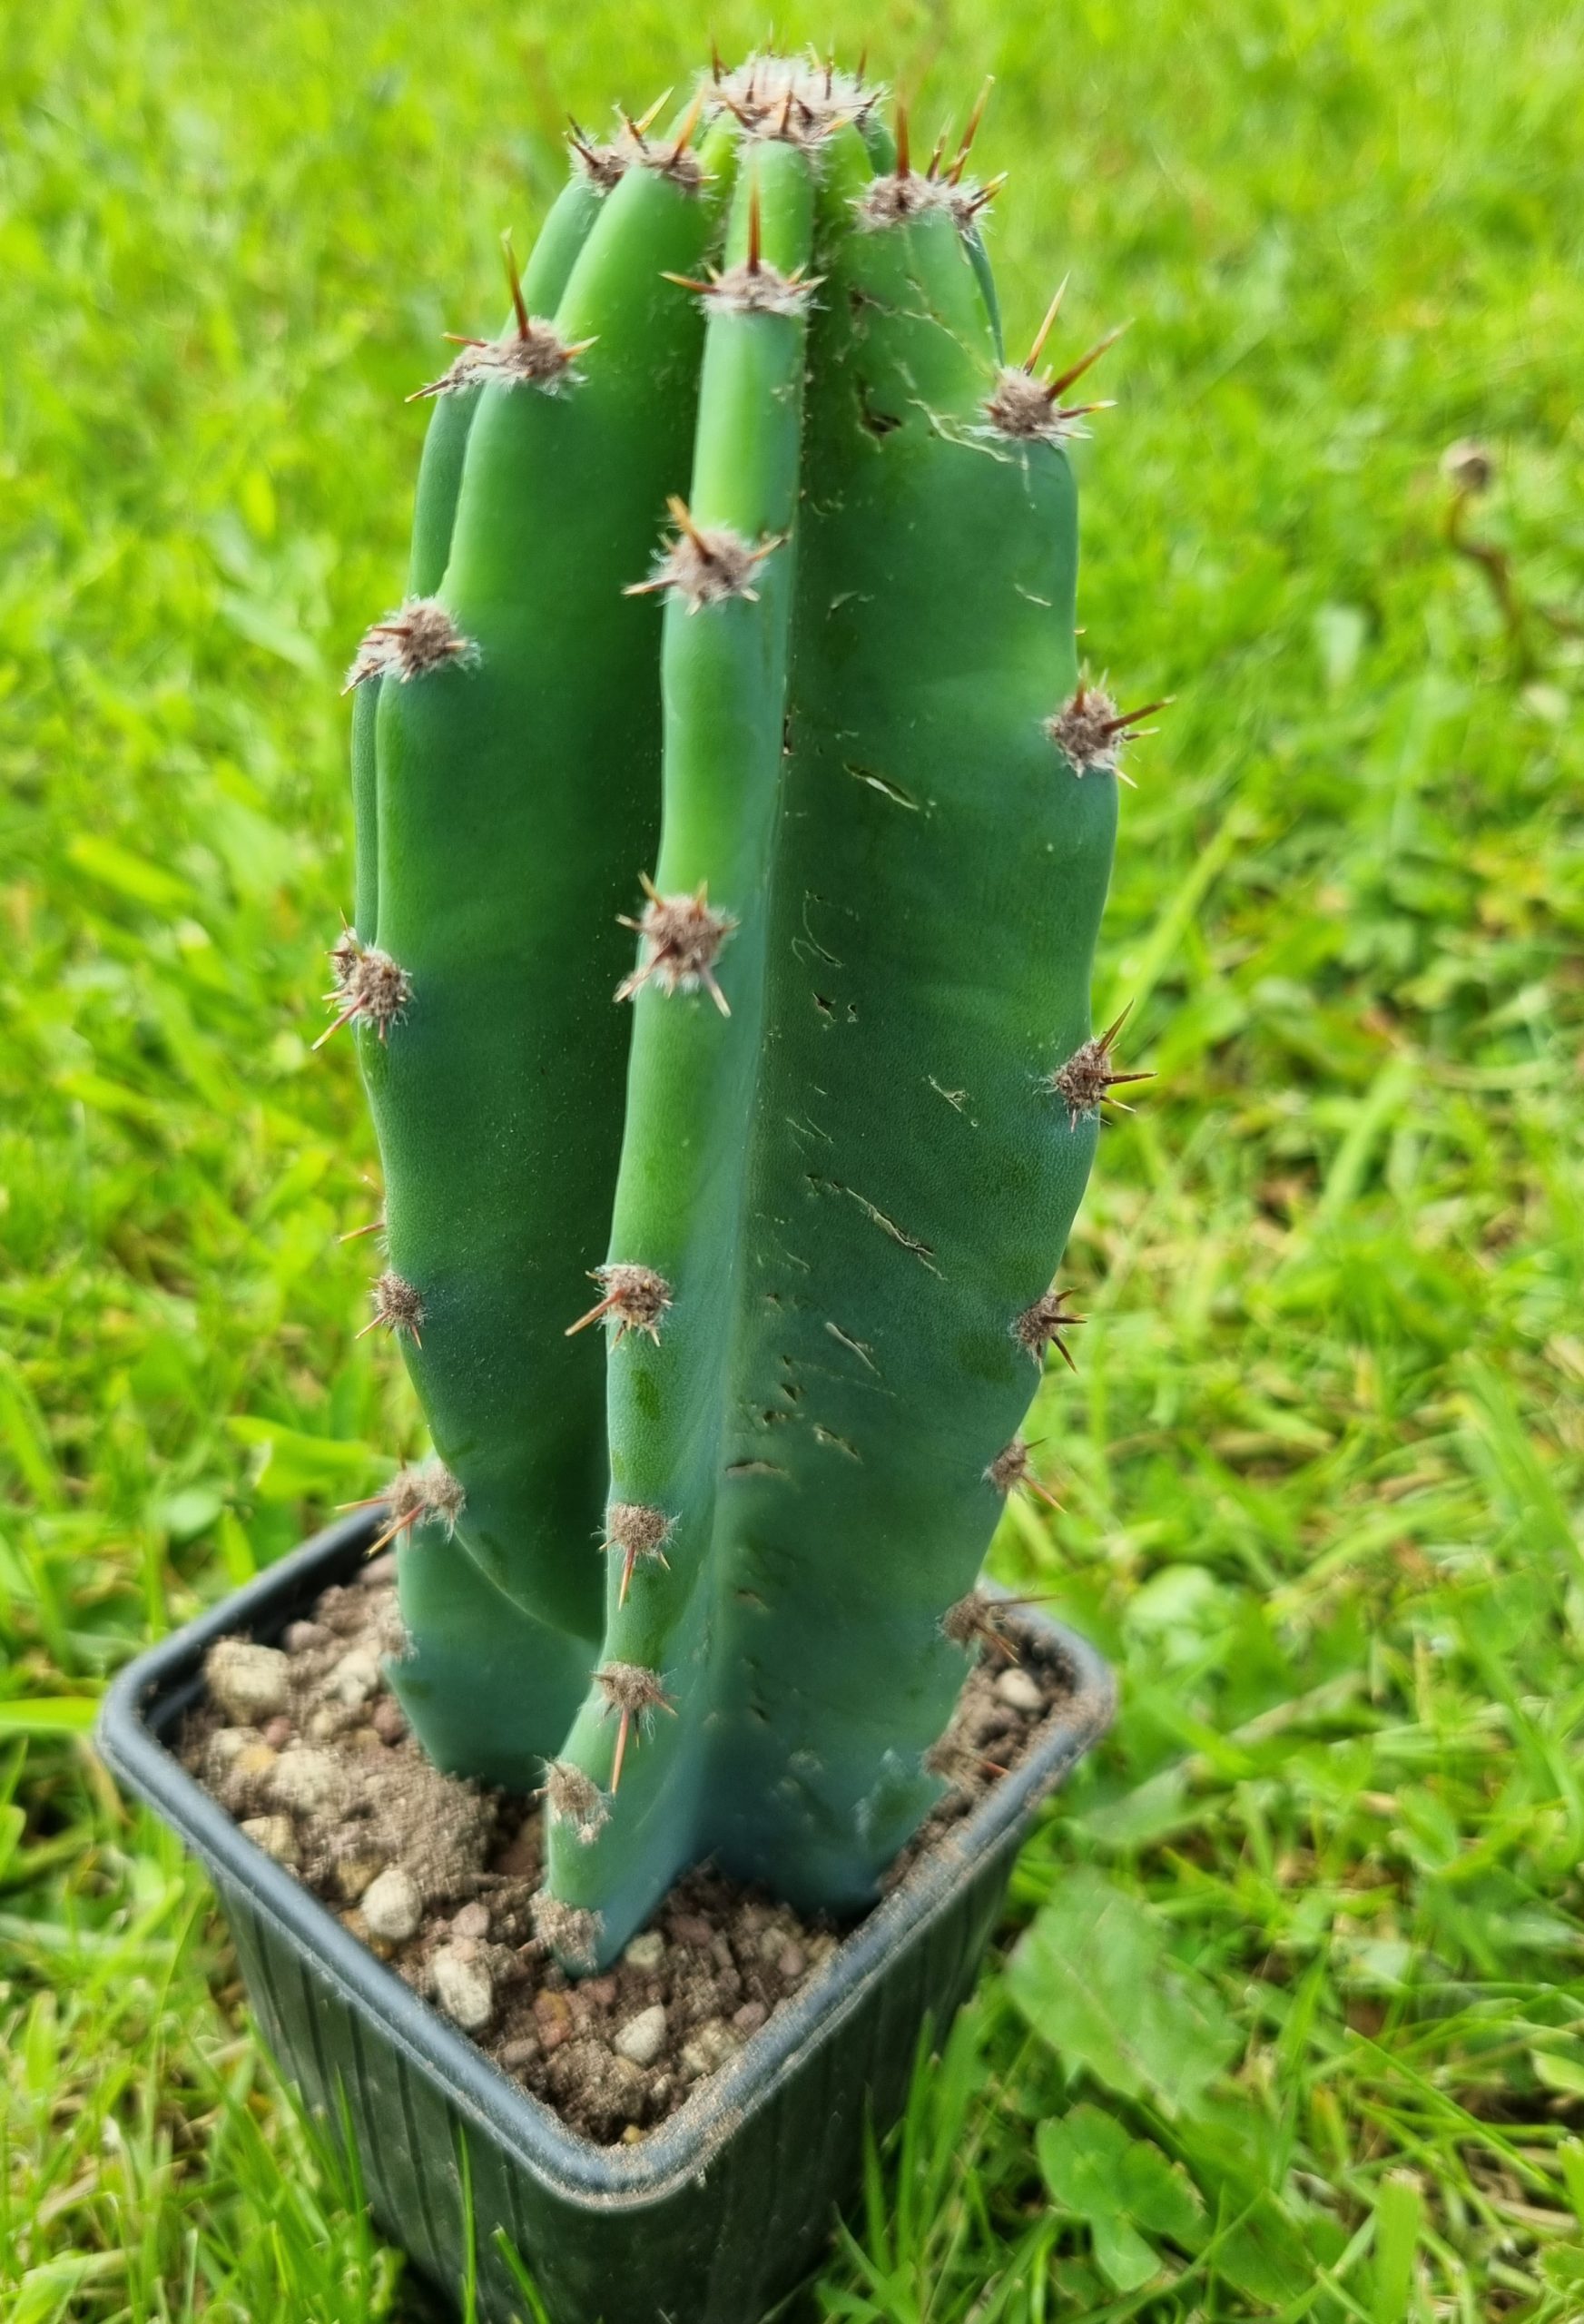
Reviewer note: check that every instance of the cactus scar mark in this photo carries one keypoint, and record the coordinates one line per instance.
(956, 1099)
(860, 1348)
(922, 1251)
(829, 1436)
(882, 784)
(879, 423)
(809, 939)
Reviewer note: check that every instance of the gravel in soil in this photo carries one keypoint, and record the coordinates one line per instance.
(306, 1746)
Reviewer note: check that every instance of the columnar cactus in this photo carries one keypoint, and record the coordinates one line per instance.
(733, 830)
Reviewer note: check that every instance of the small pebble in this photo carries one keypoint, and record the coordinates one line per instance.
(463, 1988)
(248, 1682)
(302, 1638)
(691, 1928)
(750, 2017)
(309, 1781)
(522, 2052)
(392, 1906)
(355, 1680)
(792, 1964)
(473, 1920)
(255, 1762)
(643, 2037)
(227, 1744)
(598, 1991)
(339, 1611)
(275, 1835)
(278, 1733)
(387, 1720)
(709, 2045)
(822, 1949)
(553, 2016)
(1017, 1688)
(645, 1952)
(609, 2091)
(357, 1874)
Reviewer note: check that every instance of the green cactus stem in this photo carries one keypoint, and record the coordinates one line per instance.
(824, 1197)
(854, 1187)
(517, 775)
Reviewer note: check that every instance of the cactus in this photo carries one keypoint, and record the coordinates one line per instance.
(733, 827)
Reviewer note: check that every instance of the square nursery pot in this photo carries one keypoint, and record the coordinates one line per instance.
(719, 2211)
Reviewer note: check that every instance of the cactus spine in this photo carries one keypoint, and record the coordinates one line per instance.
(816, 735)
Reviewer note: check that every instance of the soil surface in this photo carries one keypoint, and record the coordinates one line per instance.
(306, 1746)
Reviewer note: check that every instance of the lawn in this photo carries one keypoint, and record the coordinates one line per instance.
(1284, 2017)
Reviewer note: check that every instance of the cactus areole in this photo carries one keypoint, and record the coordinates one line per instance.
(733, 827)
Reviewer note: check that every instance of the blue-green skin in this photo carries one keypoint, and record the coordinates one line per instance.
(516, 799)
(855, 1183)
(680, 1200)
(566, 228)
(852, 1241)
(461, 1679)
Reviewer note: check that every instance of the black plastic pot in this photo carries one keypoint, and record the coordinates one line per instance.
(718, 2212)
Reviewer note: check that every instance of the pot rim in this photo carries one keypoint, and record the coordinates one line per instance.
(149, 1696)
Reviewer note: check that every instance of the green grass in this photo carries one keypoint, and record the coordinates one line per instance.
(1299, 2018)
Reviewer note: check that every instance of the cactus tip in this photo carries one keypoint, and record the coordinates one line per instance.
(534, 355)
(902, 193)
(798, 100)
(604, 166)
(677, 160)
